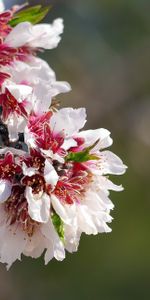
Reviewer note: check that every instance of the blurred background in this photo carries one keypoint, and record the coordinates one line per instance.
(105, 55)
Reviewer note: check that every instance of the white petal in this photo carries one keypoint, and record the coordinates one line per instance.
(59, 158)
(50, 175)
(85, 221)
(15, 125)
(35, 245)
(59, 87)
(29, 138)
(54, 156)
(59, 208)
(111, 163)
(12, 244)
(33, 81)
(41, 36)
(20, 35)
(97, 204)
(68, 143)
(5, 190)
(68, 119)
(42, 104)
(107, 203)
(105, 184)
(49, 90)
(36, 70)
(101, 224)
(54, 245)
(12, 124)
(66, 212)
(72, 237)
(38, 205)
(47, 36)
(91, 136)
(19, 91)
(28, 171)
(41, 69)
(100, 203)
(13, 150)
(92, 223)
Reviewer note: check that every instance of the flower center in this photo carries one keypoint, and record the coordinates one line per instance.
(37, 183)
(71, 187)
(8, 167)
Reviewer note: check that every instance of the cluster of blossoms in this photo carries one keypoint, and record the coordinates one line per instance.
(53, 183)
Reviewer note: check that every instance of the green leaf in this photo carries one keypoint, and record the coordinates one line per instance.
(58, 224)
(32, 14)
(83, 155)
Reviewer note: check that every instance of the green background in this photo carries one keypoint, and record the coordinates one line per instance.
(105, 55)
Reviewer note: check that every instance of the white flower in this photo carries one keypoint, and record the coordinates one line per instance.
(36, 36)
(58, 188)
(91, 213)
(90, 217)
(66, 122)
(37, 77)
(108, 162)
(28, 84)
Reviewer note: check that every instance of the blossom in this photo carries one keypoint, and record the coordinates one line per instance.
(22, 41)
(45, 36)
(41, 78)
(23, 88)
(53, 174)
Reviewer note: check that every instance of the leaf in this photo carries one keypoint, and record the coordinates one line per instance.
(83, 155)
(32, 14)
(58, 224)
